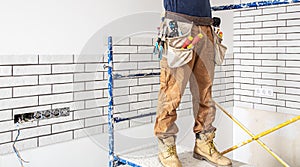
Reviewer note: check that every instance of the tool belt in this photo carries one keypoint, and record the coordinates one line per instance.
(176, 43)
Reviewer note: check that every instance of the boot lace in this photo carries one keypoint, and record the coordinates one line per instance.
(171, 150)
(213, 149)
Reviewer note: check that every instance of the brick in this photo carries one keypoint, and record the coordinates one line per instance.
(273, 63)
(265, 31)
(78, 77)
(266, 17)
(96, 103)
(289, 84)
(5, 115)
(33, 132)
(18, 59)
(293, 8)
(18, 81)
(87, 113)
(243, 92)
(31, 90)
(265, 69)
(72, 125)
(278, 23)
(18, 102)
(125, 66)
(88, 131)
(251, 25)
(250, 99)
(251, 37)
(31, 70)
(125, 49)
(289, 43)
(243, 68)
(57, 98)
(293, 77)
(273, 50)
(292, 63)
(250, 75)
(274, 10)
(95, 121)
(273, 76)
(121, 57)
(293, 91)
(293, 50)
(293, 36)
(243, 19)
(145, 49)
(125, 83)
(289, 29)
(140, 41)
(5, 70)
(88, 58)
(265, 82)
(97, 85)
(125, 99)
(251, 62)
(293, 22)
(243, 55)
(288, 56)
(140, 105)
(273, 102)
(146, 81)
(5, 93)
(121, 41)
(5, 137)
(140, 89)
(251, 12)
(58, 78)
(244, 43)
(251, 50)
(67, 68)
(21, 145)
(6, 126)
(294, 98)
(55, 59)
(140, 57)
(236, 26)
(70, 87)
(94, 67)
(288, 16)
(274, 37)
(264, 43)
(288, 70)
(56, 138)
(121, 91)
(243, 31)
(148, 65)
(88, 95)
(265, 56)
(243, 80)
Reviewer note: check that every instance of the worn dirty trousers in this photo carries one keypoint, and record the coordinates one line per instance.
(173, 81)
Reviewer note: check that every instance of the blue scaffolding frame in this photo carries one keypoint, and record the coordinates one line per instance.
(114, 160)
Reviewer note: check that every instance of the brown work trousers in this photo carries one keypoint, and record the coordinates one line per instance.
(200, 72)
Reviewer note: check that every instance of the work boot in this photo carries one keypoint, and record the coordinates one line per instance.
(167, 152)
(205, 150)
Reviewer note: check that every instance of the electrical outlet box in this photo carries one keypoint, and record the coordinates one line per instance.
(39, 115)
(264, 92)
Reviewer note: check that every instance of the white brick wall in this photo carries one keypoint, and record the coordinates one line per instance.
(267, 43)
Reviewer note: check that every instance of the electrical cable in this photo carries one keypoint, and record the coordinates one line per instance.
(21, 160)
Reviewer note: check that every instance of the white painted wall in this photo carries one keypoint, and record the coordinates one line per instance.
(60, 26)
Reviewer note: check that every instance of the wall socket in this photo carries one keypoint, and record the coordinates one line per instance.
(39, 115)
(264, 92)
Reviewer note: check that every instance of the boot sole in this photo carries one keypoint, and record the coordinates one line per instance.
(200, 157)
